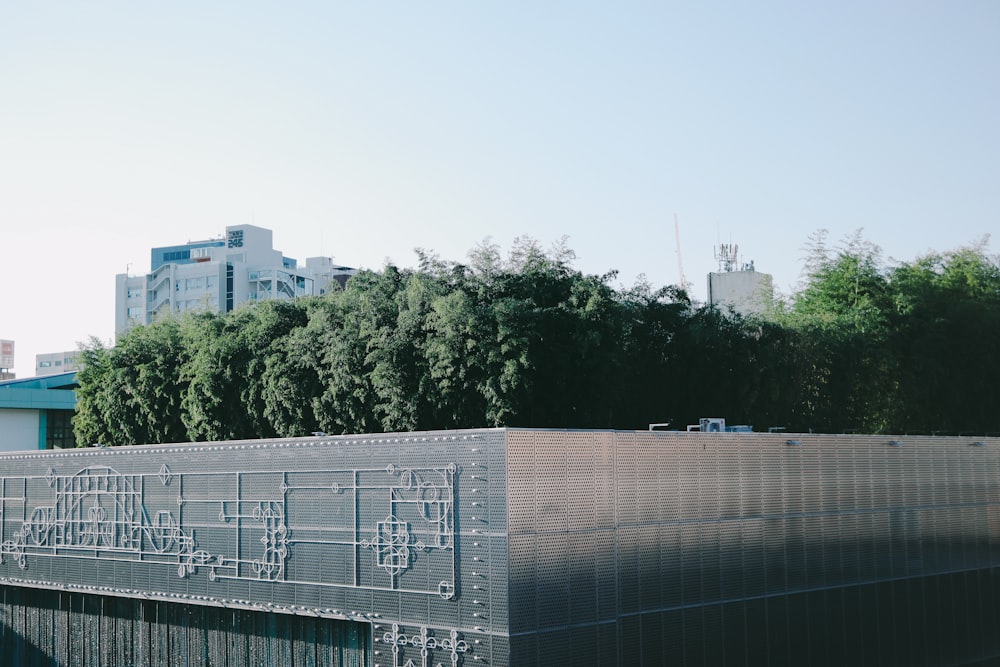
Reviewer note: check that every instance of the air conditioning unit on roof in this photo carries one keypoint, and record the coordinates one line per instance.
(712, 424)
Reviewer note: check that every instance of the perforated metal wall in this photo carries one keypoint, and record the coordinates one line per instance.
(641, 548)
(403, 532)
(540, 547)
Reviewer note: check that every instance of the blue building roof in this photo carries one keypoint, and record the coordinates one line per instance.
(47, 392)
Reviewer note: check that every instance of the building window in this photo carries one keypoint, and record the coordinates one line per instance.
(59, 429)
(229, 288)
(176, 255)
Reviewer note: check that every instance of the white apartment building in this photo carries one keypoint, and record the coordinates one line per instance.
(219, 275)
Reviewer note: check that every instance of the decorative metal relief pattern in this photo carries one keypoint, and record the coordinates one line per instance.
(378, 525)
(99, 512)
(429, 496)
(426, 645)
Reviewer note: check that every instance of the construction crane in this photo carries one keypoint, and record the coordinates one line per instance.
(680, 264)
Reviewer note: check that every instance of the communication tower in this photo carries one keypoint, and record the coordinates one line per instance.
(727, 255)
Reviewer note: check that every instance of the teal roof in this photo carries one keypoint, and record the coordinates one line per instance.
(47, 392)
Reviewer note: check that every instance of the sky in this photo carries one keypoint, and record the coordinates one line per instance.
(362, 131)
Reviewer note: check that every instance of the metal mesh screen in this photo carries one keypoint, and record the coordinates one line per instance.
(754, 549)
(510, 547)
(404, 533)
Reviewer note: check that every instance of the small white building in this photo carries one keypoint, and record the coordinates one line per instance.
(219, 275)
(745, 290)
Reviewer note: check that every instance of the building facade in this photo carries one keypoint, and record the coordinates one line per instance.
(218, 275)
(506, 547)
(53, 363)
(36, 413)
(747, 291)
(738, 288)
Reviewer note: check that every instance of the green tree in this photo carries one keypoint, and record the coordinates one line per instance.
(290, 384)
(132, 393)
(362, 312)
(91, 424)
(947, 310)
(841, 314)
(225, 397)
(527, 340)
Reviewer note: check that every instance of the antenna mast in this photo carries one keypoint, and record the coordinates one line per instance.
(727, 254)
(680, 265)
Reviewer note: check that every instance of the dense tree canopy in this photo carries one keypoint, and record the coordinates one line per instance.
(527, 340)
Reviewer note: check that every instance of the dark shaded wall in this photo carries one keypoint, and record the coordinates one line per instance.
(47, 627)
(687, 549)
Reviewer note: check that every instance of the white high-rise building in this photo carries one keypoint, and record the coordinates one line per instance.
(219, 275)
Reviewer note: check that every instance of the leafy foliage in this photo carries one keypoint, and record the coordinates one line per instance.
(527, 340)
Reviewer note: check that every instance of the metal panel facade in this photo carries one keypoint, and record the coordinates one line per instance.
(755, 549)
(529, 547)
(395, 531)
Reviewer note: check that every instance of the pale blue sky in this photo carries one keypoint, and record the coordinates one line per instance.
(364, 130)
